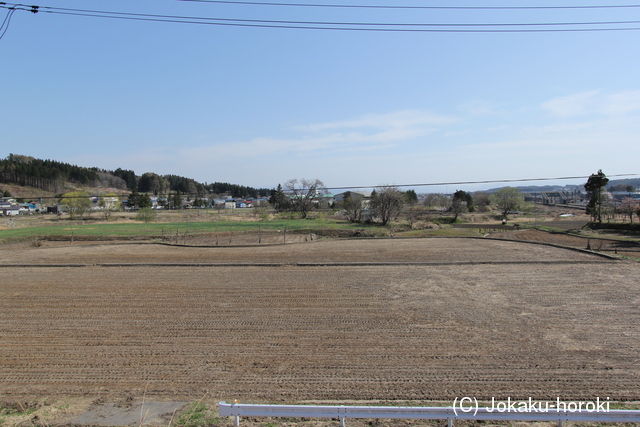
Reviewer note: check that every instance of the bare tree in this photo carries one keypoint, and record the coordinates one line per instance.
(415, 213)
(432, 201)
(387, 203)
(353, 205)
(629, 206)
(109, 203)
(304, 194)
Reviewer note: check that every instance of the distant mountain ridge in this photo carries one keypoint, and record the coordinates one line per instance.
(621, 183)
(614, 185)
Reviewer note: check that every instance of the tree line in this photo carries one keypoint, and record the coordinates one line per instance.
(50, 175)
(387, 202)
(155, 184)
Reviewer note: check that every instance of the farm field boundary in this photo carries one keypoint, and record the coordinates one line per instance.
(304, 264)
(392, 251)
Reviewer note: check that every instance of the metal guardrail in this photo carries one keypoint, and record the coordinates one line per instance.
(450, 414)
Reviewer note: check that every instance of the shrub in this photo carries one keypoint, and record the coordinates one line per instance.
(147, 215)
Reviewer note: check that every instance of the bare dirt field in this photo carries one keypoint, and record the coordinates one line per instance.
(601, 244)
(409, 250)
(317, 321)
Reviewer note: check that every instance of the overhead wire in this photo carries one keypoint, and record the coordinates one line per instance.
(336, 25)
(12, 9)
(496, 181)
(333, 25)
(431, 184)
(5, 24)
(361, 6)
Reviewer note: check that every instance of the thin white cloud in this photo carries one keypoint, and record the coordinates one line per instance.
(594, 102)
(397, 120)
(572, 105)
(499, 128)
(622, 103)
(561, 127)
(478, 108)
(369, 132)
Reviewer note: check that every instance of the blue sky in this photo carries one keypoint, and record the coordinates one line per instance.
(259, 106)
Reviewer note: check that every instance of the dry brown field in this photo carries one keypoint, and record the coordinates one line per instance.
(333, 320)
(629, 248)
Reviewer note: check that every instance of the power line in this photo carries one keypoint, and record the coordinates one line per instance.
(475, 182)
(12, 10)
(431, 184)
(5, 24)
(333, 25)
(264, 21)
(253, 3)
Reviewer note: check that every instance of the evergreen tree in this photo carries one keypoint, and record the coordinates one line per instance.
(461, 202)
(144, 201)
(593, 187)
(128, 176)
(411, 197)
(279, 200)
(177, 200)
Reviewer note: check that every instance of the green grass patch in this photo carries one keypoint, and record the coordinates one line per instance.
(197, 414)
(151, 230)
(9, 410)
(616, 227)
(550, 229)
(446, 220)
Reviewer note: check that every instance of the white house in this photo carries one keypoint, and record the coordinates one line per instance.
(9, 209)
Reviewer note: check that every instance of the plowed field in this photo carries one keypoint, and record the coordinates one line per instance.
(439, 319)
(621, 247)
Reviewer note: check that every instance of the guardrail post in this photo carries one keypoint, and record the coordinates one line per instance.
(449, 422)
(560, 423)
(236, 421)
(342, 410)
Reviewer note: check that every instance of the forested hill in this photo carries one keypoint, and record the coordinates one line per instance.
(48, 175)
(51, 175)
